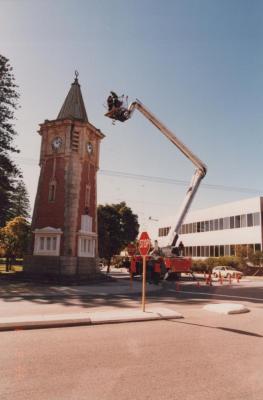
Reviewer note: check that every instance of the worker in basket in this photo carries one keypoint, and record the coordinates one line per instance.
(114, 101)
(117, 110)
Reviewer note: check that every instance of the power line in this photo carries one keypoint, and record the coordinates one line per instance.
(177, 181)
(156, 179)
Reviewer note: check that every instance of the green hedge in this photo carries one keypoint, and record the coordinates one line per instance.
(207, 264)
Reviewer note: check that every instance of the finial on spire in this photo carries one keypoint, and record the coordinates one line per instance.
(76, 76)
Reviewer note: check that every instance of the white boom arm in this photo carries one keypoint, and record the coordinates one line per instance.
(199, 173)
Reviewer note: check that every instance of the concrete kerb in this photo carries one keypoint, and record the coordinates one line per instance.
(85, 319)
(43, 322)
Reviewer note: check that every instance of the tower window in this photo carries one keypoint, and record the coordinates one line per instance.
(87, 196)
(52, 191)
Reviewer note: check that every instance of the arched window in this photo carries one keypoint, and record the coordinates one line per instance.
(52, 191)
(87, 196)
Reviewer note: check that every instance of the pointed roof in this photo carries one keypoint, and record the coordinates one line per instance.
(74, 107)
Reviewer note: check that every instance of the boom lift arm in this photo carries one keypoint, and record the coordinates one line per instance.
(122, 114)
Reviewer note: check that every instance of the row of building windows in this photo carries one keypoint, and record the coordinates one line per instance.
(217, 251)
(237, 221)
(164, 231)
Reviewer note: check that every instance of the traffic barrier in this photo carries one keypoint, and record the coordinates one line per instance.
(208, 280)
(133, 265)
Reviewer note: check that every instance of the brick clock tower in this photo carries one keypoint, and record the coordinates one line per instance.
(64, 221)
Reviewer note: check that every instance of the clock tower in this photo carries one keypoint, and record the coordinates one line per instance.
(64, 222)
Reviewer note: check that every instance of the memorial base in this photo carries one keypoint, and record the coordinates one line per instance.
(61, 268)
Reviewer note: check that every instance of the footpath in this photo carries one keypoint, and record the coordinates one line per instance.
(27, 305)
(118, 283)
(16, 293)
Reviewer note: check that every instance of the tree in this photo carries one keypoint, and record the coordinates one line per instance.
(8, 104)
(257, 259)
(117, 226)
(14, 239)
(129, 222)
(256, 263)
(19, 201)
(243, 254)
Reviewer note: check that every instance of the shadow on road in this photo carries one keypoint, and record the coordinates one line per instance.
(238, 331)
(11, 292)
(226, 292)
(70, 296)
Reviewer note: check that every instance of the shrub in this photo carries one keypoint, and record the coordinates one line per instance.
(207, 264)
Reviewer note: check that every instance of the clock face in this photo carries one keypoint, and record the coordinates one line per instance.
(56, 143)
(90, 148)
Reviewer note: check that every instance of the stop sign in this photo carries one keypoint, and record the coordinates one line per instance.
(144, 244)
(131, 249)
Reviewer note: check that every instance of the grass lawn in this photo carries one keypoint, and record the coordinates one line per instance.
(14, 268)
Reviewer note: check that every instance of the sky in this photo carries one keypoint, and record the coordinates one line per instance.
(196, 64)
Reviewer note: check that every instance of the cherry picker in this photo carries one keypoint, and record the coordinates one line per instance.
(173, 261)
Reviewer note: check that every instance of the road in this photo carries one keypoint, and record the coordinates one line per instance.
(203, 356)
(247, 292)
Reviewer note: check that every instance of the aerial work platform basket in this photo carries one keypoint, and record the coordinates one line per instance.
(117, 107)
(118, 114)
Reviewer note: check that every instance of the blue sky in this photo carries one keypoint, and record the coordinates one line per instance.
(197, 64)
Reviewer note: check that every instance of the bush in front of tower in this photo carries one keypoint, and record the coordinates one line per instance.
(14, 239)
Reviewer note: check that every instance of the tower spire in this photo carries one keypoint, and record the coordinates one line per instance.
(73, 106)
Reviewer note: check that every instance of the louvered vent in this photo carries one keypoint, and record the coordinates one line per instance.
(75, 141)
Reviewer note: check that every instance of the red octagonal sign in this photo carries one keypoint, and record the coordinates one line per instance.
(144, 244)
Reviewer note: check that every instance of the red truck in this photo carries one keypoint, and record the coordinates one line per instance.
(159, 268)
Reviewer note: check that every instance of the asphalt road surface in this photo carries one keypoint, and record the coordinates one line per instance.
(205, 356)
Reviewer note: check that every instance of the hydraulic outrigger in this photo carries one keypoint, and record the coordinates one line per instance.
(122, 114)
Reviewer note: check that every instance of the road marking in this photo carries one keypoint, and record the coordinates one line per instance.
(215, 294)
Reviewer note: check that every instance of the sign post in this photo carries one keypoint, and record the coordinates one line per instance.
(131, 249)
(144, 248)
